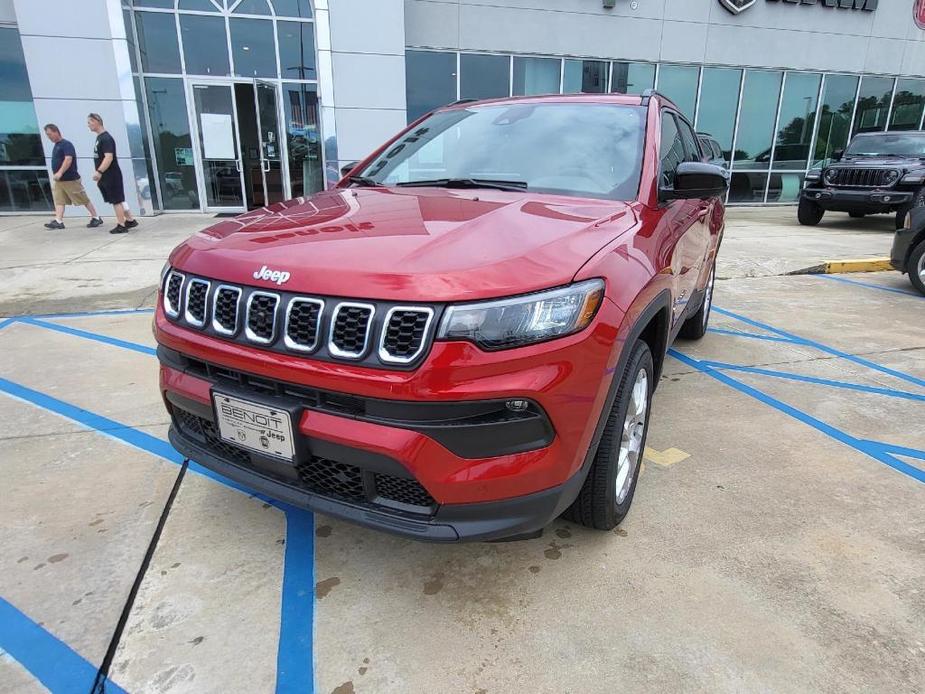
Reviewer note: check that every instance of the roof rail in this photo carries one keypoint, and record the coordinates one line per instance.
(467, 100)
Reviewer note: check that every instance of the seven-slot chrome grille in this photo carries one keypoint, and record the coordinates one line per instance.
(365, 332)
(861, 177)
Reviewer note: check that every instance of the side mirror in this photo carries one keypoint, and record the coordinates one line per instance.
(838, 154)
(347, 168)
(695, 180)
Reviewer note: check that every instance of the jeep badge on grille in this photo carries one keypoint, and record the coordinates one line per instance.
(278, 276)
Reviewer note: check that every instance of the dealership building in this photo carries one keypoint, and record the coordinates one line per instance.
(225, 105)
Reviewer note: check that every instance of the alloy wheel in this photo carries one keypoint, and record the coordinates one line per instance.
(634, 428)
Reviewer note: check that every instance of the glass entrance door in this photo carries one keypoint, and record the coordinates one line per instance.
(219, 151)
(271, 149)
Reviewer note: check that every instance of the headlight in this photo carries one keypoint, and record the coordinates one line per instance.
(830, 176)
(890, 177)
(164, 271)
(524, 320)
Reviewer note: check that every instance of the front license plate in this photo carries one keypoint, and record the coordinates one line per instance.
(255, 427)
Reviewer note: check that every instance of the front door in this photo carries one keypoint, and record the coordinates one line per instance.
(219, 150)
(271, 149)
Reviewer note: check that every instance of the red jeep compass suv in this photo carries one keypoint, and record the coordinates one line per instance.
(460, 341)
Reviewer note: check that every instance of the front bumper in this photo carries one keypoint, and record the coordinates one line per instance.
(500, 479)
(902, 246)
(850, 200)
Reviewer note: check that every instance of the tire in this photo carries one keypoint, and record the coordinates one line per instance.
(809, 213)
(916, 267)
(599, 505)
(695, 327)
(917, 201)
(857, 215)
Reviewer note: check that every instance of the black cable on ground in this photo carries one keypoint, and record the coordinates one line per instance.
(99, 685)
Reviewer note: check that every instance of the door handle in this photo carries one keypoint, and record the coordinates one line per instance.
(265, 164)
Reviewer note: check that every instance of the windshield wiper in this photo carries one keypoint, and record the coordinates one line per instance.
(466, 183)
(364, 182)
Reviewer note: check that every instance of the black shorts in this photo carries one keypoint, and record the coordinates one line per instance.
(111, 187)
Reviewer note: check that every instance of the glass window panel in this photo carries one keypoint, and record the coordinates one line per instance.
(633, 78)
(162, 4)
(838, 96)
(130, 39)
(204, 45)
(157, 41)
(140, 130)
(430, 79)
(585, 76)
(908, 105)
(797, 120)
(719, 100)
(297, 50)
(756, 120)
(25, 191)
(20, 142)
(873, 104)
(747, 187)
(303, 139)
(292, 8)
(253, 47)
(252, 7)
(173, 146)
(679, 83)
(201, 5)
(536, 76)
(484, 76)
(785, 186)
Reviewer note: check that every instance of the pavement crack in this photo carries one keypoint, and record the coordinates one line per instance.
(102, 675)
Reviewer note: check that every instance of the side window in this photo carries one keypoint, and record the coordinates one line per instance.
(691, 146)
(672, 149)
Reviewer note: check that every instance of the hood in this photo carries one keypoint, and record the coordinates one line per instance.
(412, 244)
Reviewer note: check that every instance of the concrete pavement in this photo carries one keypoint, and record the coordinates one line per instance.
(785, 553)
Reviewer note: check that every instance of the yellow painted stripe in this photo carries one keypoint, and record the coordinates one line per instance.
(858, 265)
(665, 458)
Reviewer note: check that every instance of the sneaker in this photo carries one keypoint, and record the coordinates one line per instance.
(95, 222)
(131, 223)
(54, 224)
(118, 229)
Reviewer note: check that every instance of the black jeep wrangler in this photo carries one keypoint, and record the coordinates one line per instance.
(878, 173)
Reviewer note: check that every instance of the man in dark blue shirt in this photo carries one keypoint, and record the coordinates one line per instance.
(68, 190)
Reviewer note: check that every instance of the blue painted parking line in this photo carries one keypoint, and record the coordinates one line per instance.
(51, 661)
(889, 392)
(868, 285)
(897, 450)
(821, 347)
(87, 335)
(6, 321)
(297, 608)
(755, 336)
(872, 450)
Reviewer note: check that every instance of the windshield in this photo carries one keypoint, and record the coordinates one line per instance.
(888, 144)
(588, 150)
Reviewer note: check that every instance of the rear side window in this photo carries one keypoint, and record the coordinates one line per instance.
(672, 149)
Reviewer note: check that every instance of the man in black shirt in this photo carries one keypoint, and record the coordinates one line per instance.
(67, 190)
(108, 175)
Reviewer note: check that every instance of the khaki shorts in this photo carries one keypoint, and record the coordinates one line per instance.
(70, 193)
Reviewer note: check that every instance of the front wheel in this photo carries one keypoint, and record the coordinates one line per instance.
(809, 213)
(918, 200)
(606, 496)
(916, 267)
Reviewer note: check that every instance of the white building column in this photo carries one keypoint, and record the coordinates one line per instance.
(77, 57)
(361, 47)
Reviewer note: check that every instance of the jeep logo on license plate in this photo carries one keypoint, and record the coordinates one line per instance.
(737, 6)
